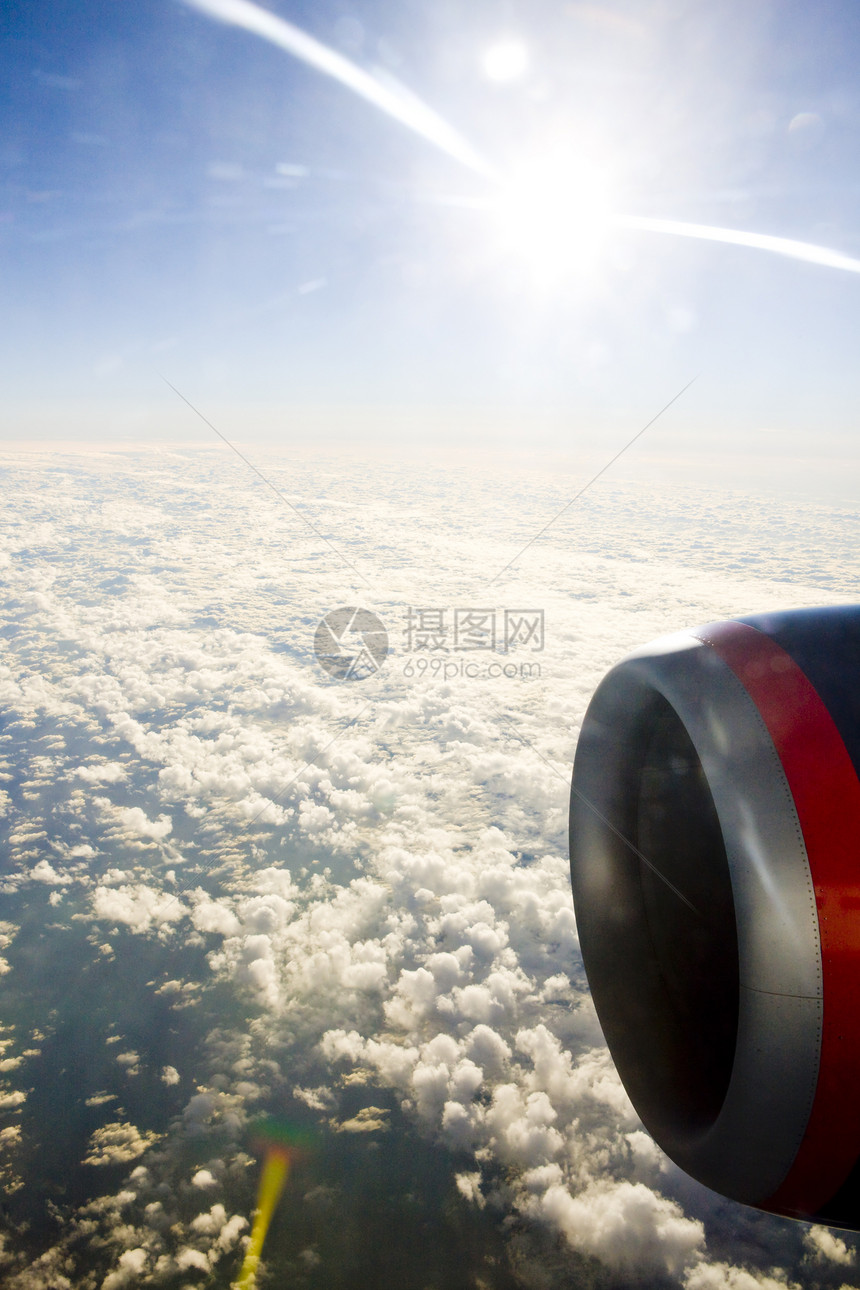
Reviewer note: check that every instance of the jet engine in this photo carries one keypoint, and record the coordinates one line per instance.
(715, 864)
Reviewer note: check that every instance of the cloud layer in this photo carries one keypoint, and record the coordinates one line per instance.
(348, 905)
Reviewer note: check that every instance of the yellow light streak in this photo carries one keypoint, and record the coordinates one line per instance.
(272, 1180)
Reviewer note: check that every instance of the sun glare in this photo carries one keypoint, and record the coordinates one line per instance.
(555, 214)
(505, 61)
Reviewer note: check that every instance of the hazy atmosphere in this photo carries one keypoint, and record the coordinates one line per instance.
(316, 318)
(185, 198)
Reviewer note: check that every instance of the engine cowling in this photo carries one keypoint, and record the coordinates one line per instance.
(715, 864)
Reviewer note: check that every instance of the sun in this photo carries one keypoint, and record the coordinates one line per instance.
(506, 61)
(555, 212)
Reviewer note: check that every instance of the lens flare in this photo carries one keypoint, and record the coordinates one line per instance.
(275, 1172)
(557, 214)
(282, 1143)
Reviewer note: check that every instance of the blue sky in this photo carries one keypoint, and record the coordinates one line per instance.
(181, 197)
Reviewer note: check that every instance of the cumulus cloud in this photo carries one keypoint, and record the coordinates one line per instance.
(722, 1276)
(827, 1247)
(136, 821)
(117, 1143)
(100, 1099)
(469, 1186)
(384, 904)
(318, 1099)
(136, 906)
(102, 773)
(45, 872)
(129, 1270)
(188, 1257)
(370, 1119)
(626, 1225)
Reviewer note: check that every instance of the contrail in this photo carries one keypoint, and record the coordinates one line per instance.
(390, 97)
(807, 251)
(399, 102)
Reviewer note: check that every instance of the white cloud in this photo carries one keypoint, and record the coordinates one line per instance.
(213, 916)
(102, 773)
(190, 1258)
(130, 1268)
(116, 1143)
(136, 821)
(137, 906)
(469, 1186)
(100, 1099)
(400, 913)
(215, 1223)
(722, 1276)
(318, 1099)
(628, 1227)
(825, 1245)
(370, 1119)
(45, 872)
(231, 1231)
(523, 1127)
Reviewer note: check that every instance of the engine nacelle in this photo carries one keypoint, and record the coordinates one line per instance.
(715, 864)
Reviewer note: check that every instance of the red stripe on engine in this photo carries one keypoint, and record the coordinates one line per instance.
(826, 792)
